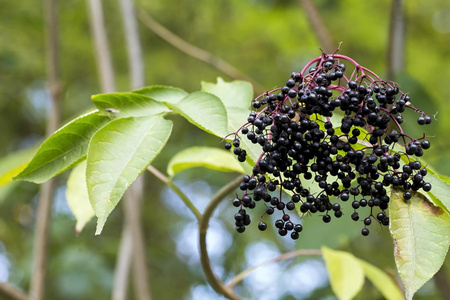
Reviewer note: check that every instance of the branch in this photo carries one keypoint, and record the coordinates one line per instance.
(37, 286)
(203, 224)
(102, 53)
(282, 257)
(317, 24)
(10, 292)
(196, 52)
(180, 194)
(395, 59)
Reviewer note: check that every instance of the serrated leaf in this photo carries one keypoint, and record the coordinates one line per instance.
(208, 157)
(421, 233)
(233, 94)
(123, 105)
(382, 281)
(117, 154)
(345, 271)
(78, 197)
(166, 94)
(205, 111)
(63, 149)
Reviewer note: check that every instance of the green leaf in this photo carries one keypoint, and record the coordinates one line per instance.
(205, 111)
(208, 157)
(14, 163)
(117, 154)
(233, 94)
(440, 188)
(78, 197)
(123, 105)
(63, 149)
(421, 233)
(166, 94)
(345, 271)
(382, 281)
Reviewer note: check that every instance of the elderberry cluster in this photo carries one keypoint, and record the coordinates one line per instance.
(329, 135)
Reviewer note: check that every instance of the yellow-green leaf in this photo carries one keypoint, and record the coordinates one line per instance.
(421, 233)
(208, 157)
(382, 281)
(78, 197)
(345, 271)
(14, 163)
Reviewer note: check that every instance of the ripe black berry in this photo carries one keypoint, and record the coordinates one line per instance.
(407, 195)
(262, 226)
(351, 159)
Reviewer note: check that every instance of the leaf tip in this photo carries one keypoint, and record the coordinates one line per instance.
(100, 224)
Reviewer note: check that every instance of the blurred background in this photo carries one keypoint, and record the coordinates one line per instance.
(265, 40)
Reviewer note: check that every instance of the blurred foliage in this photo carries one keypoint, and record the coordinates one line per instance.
(265, 39)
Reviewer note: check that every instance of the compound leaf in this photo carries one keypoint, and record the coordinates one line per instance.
(208, 157)
(421, 233)
(117, 154)
(63, 149)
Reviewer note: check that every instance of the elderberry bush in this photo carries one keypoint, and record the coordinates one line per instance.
(319, 164)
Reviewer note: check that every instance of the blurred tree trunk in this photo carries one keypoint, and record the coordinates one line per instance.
(132, 248)
(38, 280)
(318, 26)
(396, 44)
(134, 196)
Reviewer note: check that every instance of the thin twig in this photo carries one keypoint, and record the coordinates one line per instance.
(282, 257)
(102, 53)
(37, 286)
(8, 291)
(318, 26)
(396, 45)
(180, 194)
(203, 225)
(134, 197)
(196, 52)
